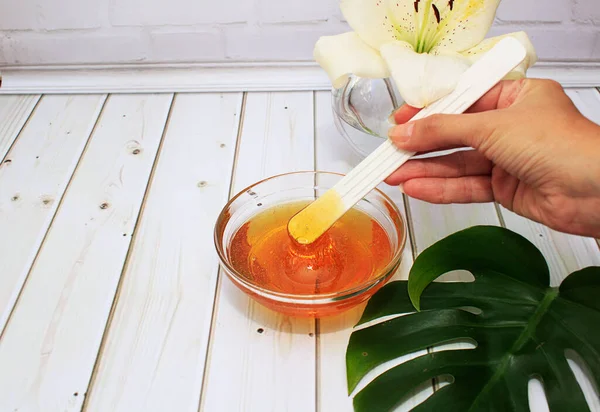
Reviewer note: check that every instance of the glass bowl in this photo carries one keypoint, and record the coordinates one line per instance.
(361, 111)
(306, 186)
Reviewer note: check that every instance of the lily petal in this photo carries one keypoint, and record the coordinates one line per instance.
(347, 54)
(463, 23)
(520, 71)
(405, 18)
(423, 78)
(370, 20)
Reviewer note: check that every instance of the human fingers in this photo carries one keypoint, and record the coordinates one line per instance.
(502, 95)
(440, 131)
(458, 164)
(470, 189)
(404, 114)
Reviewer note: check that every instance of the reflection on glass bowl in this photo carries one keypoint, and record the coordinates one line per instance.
(361, 111)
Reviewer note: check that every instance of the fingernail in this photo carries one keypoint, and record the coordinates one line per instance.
(401, 187)
(392, 118)
(402, 133)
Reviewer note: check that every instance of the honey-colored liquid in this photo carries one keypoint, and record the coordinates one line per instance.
(355, 249)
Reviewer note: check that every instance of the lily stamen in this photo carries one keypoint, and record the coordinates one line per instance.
(437, 12)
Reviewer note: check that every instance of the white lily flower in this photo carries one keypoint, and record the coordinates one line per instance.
(424, 45)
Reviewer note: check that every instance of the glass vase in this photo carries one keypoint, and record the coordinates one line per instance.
(362, 108)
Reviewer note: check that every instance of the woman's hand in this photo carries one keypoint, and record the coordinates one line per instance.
(535, 154)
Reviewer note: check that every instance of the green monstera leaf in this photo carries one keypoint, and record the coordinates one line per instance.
(521, 326)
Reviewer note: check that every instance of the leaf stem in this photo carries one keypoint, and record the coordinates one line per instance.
(523, 338)
(549, 297)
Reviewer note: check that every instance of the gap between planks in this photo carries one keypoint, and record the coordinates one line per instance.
(273, 141)
(413, 242)
(215, 305)
(59, 322)
(334, 155)
(23, 126)
(407, 208)
(5, 157)
(317, 321)
(58, 207)
(127, 258)
(157, 341)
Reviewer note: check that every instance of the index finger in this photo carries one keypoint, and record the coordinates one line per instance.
(501, 96)
(404, 114)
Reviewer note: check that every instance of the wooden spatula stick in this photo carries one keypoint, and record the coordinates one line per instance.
(310, 223)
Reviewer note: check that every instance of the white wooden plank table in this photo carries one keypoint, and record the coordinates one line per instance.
(111, 298)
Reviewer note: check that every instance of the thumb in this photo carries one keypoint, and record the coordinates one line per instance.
(440, 131)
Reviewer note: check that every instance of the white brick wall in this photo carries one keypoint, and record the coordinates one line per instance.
(274, 42)
(544, 11)
(204, 44)
(296, 11)
(175, 12)
(134, 31)
(587, 11)
(52, 15)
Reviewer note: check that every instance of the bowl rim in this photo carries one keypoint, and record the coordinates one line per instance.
(389, 269)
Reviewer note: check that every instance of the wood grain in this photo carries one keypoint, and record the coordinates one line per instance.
(587, 101)
(154, 352)
(432, 223)
(564, 253)
(165, 331)
(33, 179)
(14, 112)
(50, 345)
(273, 370)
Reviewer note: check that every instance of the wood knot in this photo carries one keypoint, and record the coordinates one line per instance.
(104, 206)
(203, 183)
(15, 198)
(134, 147)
